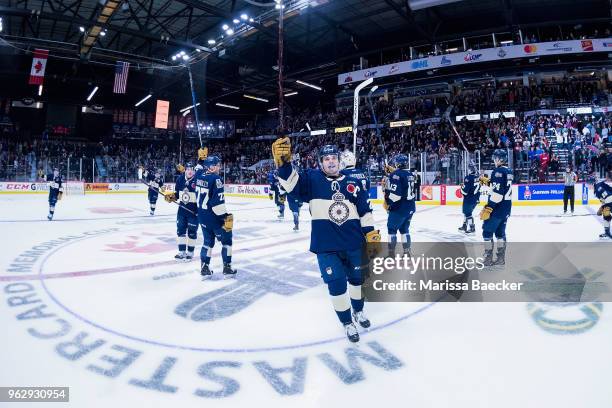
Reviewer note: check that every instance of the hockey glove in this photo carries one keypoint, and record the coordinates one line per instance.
(485, 214)
(228, 222)
(271, 196)
(169, 196)
(180, 168)
(202, 153)
(373, 243)
(389, 169)
(281, 151)
(282, 199)
(605, 211)
(61, 194)
(484, 180)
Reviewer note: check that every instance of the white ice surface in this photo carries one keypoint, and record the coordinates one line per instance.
(114, 278)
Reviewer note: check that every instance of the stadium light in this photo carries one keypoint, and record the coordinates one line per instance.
(244, 16)
(40, 90)
(251, 20)
(318, 88)
(82, 29)
(103, 33)
(227, 106)
(92, 94)
(229, 31)
(291, 93)
(506, 42)
(189, 107)
(211, 42)
(0, 24)
(174, 58)
(225, 27)
(256, 98)
(143, 99)
(272, 109)
(235, 21)
(186, 57)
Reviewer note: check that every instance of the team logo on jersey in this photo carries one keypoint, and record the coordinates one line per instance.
(338, 212)
(185, 196)
(219, 183)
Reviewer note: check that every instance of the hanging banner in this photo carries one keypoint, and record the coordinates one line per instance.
(39, 63)
(161, 114)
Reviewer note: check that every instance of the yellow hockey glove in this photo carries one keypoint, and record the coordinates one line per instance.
(484, 180)
(202, 153)
(228, 222)
(373, 243)
(180, 168)
(485, 214)
(605, 211)
(281, 151)
(169, 196)
(389, 169)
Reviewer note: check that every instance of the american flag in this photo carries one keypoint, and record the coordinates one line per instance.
(121, 76)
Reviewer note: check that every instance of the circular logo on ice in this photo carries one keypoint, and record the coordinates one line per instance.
(128, 311)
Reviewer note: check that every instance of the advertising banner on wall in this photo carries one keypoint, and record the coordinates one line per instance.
(484, 55)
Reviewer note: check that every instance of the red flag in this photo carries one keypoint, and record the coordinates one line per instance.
(39, 62)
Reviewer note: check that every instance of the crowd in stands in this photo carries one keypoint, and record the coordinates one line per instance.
(541, 144)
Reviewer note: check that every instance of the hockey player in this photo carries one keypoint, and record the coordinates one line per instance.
(155, 181)
(277, 193)
(347, 164)
(497, 211)
(342, 222)
(399, 201)
(186, 217)
(295, 205)
(470, 190)
(216, 222)
(56, 190)
(603, 191)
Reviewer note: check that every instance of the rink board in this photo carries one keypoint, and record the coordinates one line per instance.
(523, 194)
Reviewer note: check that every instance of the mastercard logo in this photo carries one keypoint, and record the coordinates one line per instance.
(530, 49)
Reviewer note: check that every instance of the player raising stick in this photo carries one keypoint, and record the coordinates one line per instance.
(470, 190)
(186, 216)
(155, 181)
(216, 222)
(342, 222)
(497, 211)
(56, 190)
(399, 202)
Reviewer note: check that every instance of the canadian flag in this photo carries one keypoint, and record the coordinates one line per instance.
(37, 73)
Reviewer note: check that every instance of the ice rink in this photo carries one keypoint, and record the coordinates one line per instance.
(95, 301)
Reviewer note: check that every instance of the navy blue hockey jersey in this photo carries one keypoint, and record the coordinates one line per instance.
(55, 183)
(400, 192)
(358, 175)
(155, 183)
(210, 197)
(603, 191)
(340, 209)
(185, 193)
(500, 197)
(470, 189)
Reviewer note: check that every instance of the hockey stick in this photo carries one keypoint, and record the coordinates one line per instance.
(382, 144)
(175, 202)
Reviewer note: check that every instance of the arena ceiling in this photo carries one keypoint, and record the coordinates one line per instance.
(322, 37)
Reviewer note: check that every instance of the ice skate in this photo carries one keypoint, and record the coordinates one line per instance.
(361, 319)
(351, 332)
(180, 256)
(205, 272)
(228, 272)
